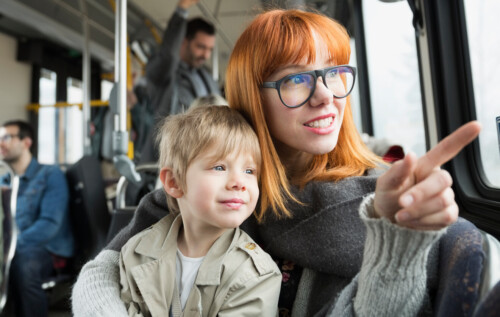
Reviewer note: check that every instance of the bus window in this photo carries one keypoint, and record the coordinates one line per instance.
(355, 104)
(393, 74)
(106, 87)
(47, 118)
(484, 51)
(73, 122)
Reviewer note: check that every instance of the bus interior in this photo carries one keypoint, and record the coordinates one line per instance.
(425, 67)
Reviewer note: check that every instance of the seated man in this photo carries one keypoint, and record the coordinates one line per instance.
(42, 219)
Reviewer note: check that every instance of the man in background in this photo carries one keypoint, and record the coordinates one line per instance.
(176, 75)
(42, 219)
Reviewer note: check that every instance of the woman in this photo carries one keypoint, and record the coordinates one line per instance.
(342, 249)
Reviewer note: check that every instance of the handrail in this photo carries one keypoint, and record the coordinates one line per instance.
(93, 103)
(121, 187)
(13, 242)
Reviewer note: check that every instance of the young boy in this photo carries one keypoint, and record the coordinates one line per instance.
(196, 261)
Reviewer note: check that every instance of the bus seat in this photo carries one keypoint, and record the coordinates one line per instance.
(119, 219)
(490, 306)
(90, 222)
(461, 259)
(9, 237)
(127, 198)
(88, 207)
(491, 272)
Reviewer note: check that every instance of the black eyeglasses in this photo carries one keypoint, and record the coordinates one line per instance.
(8, 137)
(296, 89)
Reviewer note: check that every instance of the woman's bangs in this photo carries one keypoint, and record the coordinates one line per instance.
(336, 41)
(295, 43)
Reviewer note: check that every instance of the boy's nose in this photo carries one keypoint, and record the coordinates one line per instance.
(235, 182)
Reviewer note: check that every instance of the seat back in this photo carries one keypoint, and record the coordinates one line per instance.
(461, 259)
(88, 208)
(128, 197)
(8, 236)
(490, 306)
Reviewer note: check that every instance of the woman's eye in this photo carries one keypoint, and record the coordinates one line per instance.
(250, 171)
(219, 168)
(297, 79)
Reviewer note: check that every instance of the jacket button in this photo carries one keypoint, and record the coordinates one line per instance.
(250, 246)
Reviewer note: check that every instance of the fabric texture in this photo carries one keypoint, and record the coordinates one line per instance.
(330, 214)
(236, 277)
(102, 274)
(327, 237)
(44, 230)
(42, 215)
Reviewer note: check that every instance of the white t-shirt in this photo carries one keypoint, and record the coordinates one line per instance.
(186, 270)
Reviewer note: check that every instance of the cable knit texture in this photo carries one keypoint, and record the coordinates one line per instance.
(394, 256)
(96, 292)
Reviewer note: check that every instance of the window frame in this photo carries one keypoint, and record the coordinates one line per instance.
(452, 85)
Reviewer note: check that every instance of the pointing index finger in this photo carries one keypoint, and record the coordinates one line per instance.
(447, 149)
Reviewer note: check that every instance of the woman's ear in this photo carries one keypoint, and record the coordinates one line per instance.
(170, 184)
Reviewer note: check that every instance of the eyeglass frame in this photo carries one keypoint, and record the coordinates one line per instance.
(6, 138)
(315, 73)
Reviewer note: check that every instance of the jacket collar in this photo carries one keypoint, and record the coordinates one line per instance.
(31, 170)
(158, 245)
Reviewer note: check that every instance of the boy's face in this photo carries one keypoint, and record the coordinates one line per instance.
(219, 194)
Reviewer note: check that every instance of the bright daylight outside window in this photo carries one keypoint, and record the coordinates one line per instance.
(394, 75)
(47, 118)
(73, 122)
(484, 49)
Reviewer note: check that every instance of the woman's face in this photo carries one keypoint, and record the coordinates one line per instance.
(313, 127)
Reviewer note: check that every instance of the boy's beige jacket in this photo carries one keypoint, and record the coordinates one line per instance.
(236, 278)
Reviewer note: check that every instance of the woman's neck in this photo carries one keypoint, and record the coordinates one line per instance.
(296, 163)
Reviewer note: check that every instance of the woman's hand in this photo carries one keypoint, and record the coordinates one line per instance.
(416, 193)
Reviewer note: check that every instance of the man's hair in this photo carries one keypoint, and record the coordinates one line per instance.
(182, 137)
(25, 129)
(196, 25)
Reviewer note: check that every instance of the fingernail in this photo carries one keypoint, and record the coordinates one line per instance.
(402, 216)
(406, 200)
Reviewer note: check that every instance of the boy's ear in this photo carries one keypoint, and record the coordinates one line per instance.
(170, 184)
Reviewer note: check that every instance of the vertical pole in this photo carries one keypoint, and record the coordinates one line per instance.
(122, 79)
(87, 150)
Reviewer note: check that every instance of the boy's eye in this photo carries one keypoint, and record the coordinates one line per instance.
(219, 168)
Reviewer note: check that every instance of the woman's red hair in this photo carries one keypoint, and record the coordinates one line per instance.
(277, 38)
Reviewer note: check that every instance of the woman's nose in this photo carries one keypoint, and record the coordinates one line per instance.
(322, 95)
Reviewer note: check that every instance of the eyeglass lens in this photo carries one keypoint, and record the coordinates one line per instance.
(297, 88)
(6, 138)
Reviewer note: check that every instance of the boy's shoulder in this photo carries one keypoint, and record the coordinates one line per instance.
(247, 248)
(155, 233)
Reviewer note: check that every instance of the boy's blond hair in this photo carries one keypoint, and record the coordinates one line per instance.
(182, 137)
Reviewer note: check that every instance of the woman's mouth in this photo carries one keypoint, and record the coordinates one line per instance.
(321, 123)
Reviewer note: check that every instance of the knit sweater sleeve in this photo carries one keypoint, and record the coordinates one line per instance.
(392, 280)
(97, 291)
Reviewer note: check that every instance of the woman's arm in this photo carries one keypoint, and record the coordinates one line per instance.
(97, 289)
(393, 276)
(415, 202)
